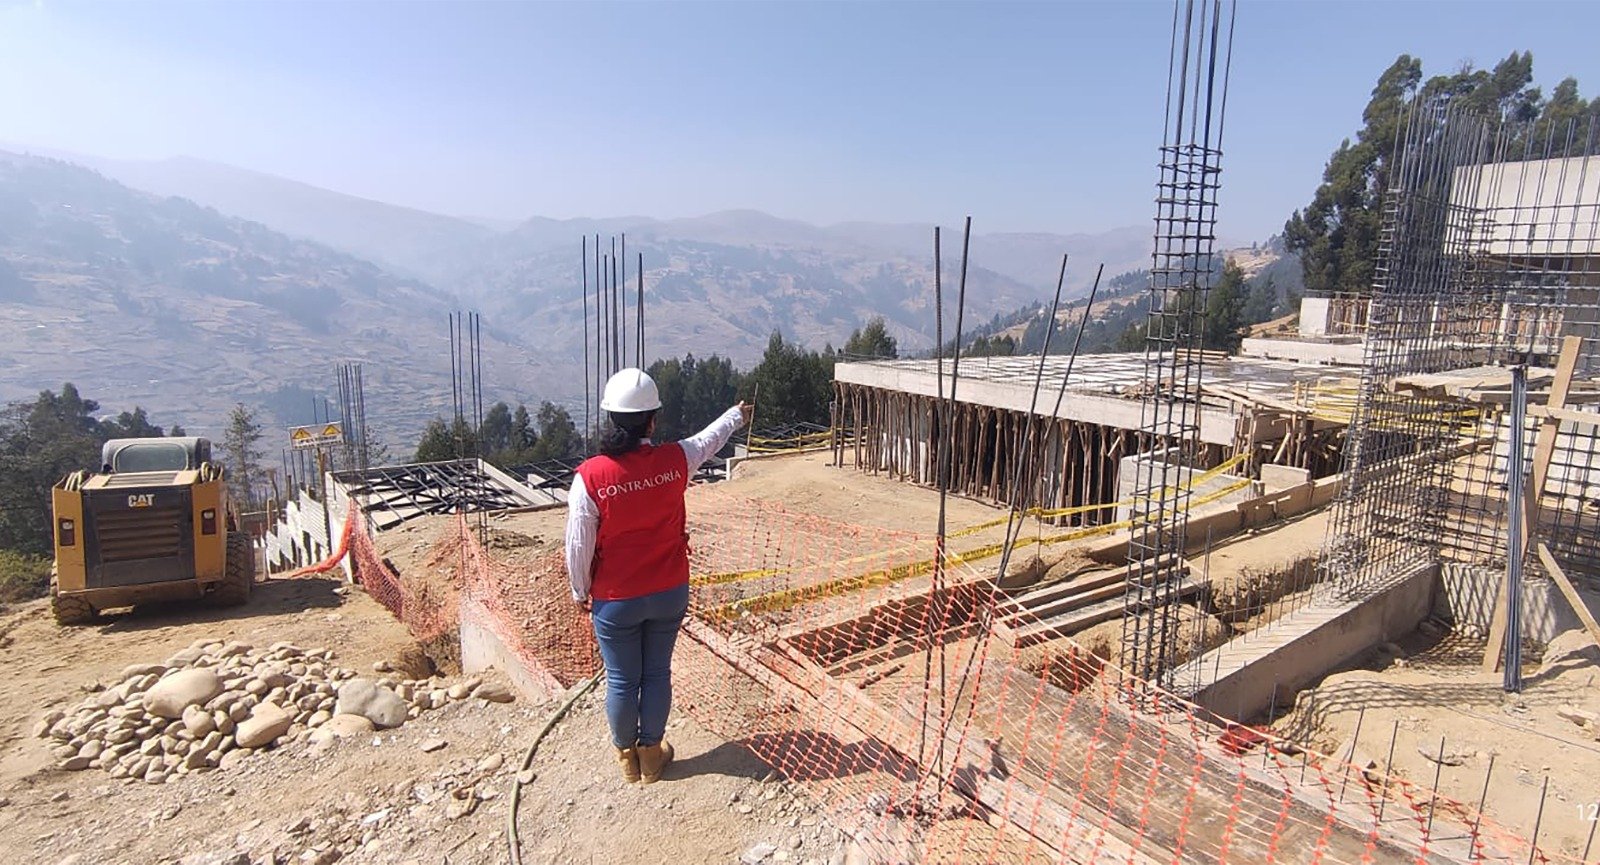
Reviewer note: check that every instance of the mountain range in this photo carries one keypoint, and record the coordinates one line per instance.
(186, 285)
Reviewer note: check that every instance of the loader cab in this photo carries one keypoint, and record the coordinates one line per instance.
(124, 456)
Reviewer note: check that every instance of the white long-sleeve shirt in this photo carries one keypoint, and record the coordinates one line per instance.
(583, 516)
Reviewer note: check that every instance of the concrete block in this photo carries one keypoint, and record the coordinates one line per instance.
(1315, 315)
(1275, 478)
(1324, 353)
(1128, 480)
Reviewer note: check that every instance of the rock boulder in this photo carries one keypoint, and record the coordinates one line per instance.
(365, 698)
(170, 696)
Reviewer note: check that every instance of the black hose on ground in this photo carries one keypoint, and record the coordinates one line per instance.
(579, 690)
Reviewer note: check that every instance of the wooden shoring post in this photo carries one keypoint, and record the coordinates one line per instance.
(975, 480)
(970, 461)
(1074, 469)
(1568, 591)
(863, 428)
(960, 461)
(1063, 495)
(897, 413)
(1020, 459)
(902, 442)
(997, 449)
(1087, 445)
(875, 398)
(928, 445)
(1543, 450)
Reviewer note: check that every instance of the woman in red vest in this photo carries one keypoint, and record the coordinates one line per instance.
(628, 560)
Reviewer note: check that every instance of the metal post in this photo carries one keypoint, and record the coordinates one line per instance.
(1515, 529)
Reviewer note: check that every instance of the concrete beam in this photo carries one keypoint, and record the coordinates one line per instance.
(1216, 425)
(1304, 351)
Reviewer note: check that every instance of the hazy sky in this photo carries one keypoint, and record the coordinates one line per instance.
(1039, 116)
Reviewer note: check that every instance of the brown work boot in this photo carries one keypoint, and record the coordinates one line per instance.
(628, 759)
(653, 760)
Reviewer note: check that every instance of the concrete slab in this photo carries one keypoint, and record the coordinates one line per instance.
(1102, 389)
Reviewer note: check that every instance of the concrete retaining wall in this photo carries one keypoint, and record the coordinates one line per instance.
(300, 538)
(1248, 674)
(1467, 594)
(483, 649)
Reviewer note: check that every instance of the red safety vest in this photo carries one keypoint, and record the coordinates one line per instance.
(643, 545)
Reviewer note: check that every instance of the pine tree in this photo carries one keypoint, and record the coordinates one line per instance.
(558, 436)
(496, 432)
(435, 445)
(1223, 321)
(1336, 236)
(243, 456)
(871, 341)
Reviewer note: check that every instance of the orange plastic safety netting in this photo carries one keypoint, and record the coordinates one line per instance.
(809, 642)
(515, 596)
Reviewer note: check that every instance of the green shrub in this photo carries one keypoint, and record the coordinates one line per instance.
(22, 576)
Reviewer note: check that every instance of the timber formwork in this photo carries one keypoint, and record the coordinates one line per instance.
(893, 433)
(1263, 412)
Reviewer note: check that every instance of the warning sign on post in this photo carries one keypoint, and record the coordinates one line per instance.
(315, 435)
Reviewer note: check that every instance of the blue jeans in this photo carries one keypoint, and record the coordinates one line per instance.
(636, 637)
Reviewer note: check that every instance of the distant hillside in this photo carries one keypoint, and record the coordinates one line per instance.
(183, 310)
(445, 250)
(413, 242)
(101, 283)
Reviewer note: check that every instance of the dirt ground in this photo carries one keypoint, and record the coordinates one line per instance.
(376, 799)
(1437, 691)
(381, 799)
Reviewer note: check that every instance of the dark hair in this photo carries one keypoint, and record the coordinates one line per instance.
(627, 429)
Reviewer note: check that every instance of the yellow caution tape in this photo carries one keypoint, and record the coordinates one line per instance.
(787, 598)
(734, 576)
(1196, 480)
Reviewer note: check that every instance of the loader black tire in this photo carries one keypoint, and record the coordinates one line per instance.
(71, 610)
(240, 576)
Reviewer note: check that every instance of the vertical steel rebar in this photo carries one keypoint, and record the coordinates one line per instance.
(639, 323)
(622, 282)
(1515, 529)
(1433, 801)
(1483, 799)
(1181, 274)
(1388, 770)
(588, 387)
(1349, 758)
(1538, 821)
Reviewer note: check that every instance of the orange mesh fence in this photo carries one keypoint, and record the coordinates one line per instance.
(521, 596)
(926, 728)
(518, 595)
(809, 641)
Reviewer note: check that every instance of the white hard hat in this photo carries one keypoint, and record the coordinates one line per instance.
(631, 390)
